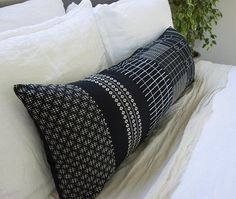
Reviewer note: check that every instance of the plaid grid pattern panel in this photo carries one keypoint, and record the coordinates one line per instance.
(89, 127)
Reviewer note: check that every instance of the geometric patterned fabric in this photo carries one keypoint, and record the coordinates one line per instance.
(89, 127)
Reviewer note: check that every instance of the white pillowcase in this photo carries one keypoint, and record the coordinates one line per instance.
(70, 7)
(65, 52)
(29, 13)
(38, 27)
(127, 25)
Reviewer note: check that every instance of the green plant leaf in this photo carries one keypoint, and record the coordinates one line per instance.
(194, 20)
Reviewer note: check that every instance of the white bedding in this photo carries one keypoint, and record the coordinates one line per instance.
(192, 154)
(211, 172)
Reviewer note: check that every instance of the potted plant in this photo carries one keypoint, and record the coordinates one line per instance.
(194, 20)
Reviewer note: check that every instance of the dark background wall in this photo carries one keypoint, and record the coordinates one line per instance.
(94, 2)
(9, 2)
(66, 2)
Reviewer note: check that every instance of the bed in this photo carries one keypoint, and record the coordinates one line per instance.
(197, 159)
(191, 153)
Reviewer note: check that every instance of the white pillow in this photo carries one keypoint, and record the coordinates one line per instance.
(127, 25)
(70, 7)
(38, 27)
(65, 52)
(29, 13)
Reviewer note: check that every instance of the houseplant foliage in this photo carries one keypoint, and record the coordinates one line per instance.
(194, 19)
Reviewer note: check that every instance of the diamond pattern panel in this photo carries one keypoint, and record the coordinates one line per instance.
(76, 134)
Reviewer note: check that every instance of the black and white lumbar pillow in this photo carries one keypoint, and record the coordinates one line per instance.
(89, 127)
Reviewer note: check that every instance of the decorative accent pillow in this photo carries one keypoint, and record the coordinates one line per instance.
(29, 13)
(127, 25)
(90, 126)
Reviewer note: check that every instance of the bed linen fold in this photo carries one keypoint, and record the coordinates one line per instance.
(210, 172)
(155, 169)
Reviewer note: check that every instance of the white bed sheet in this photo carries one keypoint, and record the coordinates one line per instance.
(211, 171)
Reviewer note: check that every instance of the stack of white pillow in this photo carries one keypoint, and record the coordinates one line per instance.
(39, 43)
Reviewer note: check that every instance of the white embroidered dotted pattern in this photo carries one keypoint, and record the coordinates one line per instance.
(126, 105)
